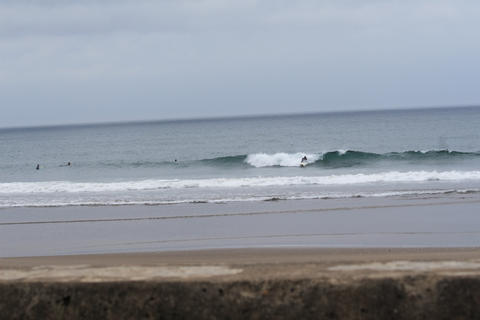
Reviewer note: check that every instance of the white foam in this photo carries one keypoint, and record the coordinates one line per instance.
(154, 184)
(281, 159)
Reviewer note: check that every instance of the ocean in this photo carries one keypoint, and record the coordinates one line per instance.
(400, 153)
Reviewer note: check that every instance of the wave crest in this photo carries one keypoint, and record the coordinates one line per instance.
(347, 158)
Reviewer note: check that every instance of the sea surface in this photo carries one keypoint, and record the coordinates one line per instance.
(401, 153)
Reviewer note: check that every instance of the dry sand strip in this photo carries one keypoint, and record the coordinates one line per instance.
(417, 283)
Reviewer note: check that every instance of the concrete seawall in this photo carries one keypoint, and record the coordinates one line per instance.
(419, 286)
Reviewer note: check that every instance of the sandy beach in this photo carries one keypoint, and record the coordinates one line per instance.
(385, 258)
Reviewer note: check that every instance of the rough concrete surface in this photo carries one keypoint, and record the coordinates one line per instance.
(255, 284)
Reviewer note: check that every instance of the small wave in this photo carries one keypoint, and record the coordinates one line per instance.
(225, 161)
(346, 158)
(322, 196)
(153, 184)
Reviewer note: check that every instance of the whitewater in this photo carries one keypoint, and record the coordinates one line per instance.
(281, 159)
(146, 185)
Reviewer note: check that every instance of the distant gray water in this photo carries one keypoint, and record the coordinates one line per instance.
(361, 154)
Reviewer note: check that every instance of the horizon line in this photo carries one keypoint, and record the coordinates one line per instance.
(232, 117)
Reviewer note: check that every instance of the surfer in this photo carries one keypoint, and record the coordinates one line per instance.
(38, 167)
(304, 161)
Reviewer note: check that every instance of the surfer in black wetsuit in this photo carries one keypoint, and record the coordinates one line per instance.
(304, 161)
(38, 167)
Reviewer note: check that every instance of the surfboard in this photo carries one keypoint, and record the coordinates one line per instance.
(303, 164)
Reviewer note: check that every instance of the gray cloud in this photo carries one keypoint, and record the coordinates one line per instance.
(82, 61)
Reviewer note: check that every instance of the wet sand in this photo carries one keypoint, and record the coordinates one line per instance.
(427, 222)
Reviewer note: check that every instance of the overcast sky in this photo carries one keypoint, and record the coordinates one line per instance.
(76, 61)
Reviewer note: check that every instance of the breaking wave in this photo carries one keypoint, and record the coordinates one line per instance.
(280, 159)
(347, 158)
(334, 159)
